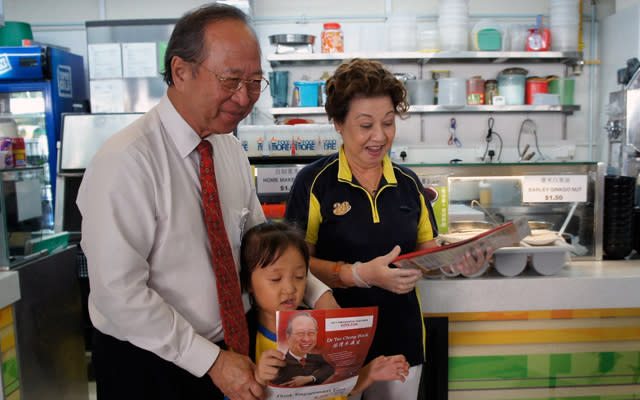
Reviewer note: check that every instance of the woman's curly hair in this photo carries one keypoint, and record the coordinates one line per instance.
(360, 78)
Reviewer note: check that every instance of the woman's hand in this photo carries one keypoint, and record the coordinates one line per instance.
(397, 280)
(269, 365)
(472, 262)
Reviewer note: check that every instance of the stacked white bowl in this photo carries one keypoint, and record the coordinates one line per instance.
(565, 24)
(453, 22)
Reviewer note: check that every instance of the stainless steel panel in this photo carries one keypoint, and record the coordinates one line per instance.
(49, 330)
(83, 134)
(633, 117)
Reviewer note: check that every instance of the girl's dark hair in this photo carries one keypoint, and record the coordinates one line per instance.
(263, 244)
(187, 39)
(360, 78)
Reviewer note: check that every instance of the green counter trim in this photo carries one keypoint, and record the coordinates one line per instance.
(10, 372)
(552, 382)
(544, 365)
(602, 397)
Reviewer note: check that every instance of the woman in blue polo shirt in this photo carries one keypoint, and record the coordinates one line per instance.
(360, 211)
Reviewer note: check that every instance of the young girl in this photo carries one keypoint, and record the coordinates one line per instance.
(274, 260)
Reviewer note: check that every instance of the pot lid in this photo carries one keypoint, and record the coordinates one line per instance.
(514, 71)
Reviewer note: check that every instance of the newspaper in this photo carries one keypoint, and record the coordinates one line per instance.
(505, 235)
(342, 341)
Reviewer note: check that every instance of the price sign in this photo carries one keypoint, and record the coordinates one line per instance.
(276, 179)
(554, 188)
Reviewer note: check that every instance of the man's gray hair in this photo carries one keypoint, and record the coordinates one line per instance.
(300, 314)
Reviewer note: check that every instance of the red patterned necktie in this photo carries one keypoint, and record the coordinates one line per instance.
(303, 361)
(234, 324)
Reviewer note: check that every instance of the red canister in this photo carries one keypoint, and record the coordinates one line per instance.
(535, 85)
(475, 90)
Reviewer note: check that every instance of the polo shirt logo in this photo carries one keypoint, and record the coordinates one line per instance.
(341, 208)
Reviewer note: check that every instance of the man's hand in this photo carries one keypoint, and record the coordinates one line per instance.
(233, 374)
(298, 381)
(397, 280)
(269, 365)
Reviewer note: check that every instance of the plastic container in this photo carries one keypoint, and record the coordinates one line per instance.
(565, 37)
(279, 87)
(332, 38)
(454, 37)
(429, 38)
(564, 88)
(511, 85)
(252, 139)
(305, 93)
(13, 33)
(452, 92)
(401, 33)
(535, 85)
(475, 91)
(421, 91)
(518, 37)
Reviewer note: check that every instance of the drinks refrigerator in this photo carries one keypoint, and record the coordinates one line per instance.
(37, 85)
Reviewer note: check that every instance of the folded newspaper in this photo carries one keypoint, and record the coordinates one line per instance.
(505, 235)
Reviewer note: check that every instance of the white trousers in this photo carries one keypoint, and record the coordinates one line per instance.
(393, 390)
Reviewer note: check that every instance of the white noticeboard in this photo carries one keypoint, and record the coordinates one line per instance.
(139, 60)
(554, 188)
(276, 179)
(105, 61)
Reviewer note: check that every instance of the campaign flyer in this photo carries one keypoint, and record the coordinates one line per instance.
(324, 351)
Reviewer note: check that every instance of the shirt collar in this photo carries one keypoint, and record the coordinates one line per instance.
(184, 137)
(344, 171)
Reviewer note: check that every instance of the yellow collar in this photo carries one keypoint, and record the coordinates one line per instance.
(344, 171)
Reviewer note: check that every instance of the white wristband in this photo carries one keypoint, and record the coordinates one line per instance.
(356, 278)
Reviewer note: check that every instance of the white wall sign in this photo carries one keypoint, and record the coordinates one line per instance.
(554, 188)
(276, 179)
(105, 61)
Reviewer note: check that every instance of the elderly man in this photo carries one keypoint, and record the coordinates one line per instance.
(164, 205)
(302, 366)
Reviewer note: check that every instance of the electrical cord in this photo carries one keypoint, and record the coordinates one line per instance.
(533, 130)
(489, 139)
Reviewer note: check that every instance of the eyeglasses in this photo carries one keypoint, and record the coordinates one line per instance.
(254, 86)
(301, 334)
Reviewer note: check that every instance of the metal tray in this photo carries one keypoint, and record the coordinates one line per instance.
(291, 39)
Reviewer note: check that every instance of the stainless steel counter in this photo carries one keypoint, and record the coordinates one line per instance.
(579, 285)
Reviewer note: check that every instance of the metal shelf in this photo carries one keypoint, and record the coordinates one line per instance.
(496, 57)
(443, 109)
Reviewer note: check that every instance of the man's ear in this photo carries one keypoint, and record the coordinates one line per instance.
(181, 71)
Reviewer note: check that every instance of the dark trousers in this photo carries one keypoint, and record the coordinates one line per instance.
(126, 372)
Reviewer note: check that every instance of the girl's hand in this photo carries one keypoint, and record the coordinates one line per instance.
(389, 368)
(269, 365)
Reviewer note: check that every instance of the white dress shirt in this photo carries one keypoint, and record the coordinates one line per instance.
(145, 238)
